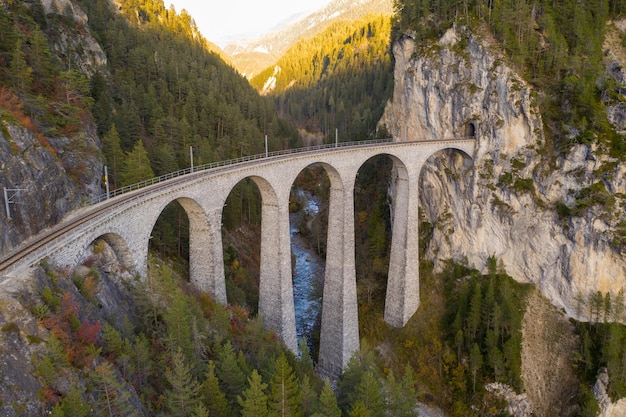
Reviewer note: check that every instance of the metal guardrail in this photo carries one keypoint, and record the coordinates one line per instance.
(211, 165)
(218, 164)
(49, 248)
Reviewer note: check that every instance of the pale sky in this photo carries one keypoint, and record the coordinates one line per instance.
(221, 21)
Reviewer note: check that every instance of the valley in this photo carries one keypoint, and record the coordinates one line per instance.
(522, 241)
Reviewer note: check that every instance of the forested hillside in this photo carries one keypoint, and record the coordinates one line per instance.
(164, 91)
(253, 56)
(339, 79)
(167, 92)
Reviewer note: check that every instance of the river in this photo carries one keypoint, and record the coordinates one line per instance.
(308, 270)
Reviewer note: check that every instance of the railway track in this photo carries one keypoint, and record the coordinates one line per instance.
(44, 243)
(48, 237)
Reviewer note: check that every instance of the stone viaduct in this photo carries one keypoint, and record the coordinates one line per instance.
(127, 228)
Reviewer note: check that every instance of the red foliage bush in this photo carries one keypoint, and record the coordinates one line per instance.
(76, 337)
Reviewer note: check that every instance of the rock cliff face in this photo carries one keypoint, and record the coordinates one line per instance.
(72, 40)
(55, 175)
(26, 385)
(502, 203)
(53, 180)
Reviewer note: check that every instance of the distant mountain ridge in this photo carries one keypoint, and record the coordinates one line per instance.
(251, 57)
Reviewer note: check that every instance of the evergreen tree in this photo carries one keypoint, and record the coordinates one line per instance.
(112, 396)
(607, 308)
(40, 58)
(496, 361)
(587, 400)
(328, 403)
(200, 411)
(402, 400)
(305, 356)
(19, 70)
(475, 364)
(72, 405)
(359, 410)
(231, 376)
(474, 318)
(179, 331)
(136, 166)
(285, 395)
(182, 396)
(309, 402)
(369, 393)
(214, 399)
(253, 401)
(618, 306)
(113, 155)
(143, 360)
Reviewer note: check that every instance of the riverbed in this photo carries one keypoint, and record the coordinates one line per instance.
(308, 271)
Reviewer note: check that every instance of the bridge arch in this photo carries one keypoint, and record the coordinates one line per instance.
(120, 248)
(446, 169)
(390, 258)
(205, 262)
(308, 214)
(275, 305)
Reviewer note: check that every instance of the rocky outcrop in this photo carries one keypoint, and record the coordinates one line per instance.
(504, 206)
(600, 391)
(54, 177)
(54, 174)
(614, 60)
(71, 39)
(518, 404)
(27, 388)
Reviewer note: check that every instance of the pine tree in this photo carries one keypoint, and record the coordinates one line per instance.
(177, 319)
(112, 396)
(328, 402)
(40, 57)
(309, 401)
(496, 361)
(182, 396)
(200, 411)
(285, 394)
(19, 70)
(232, 378)
(142, 358)
(607, 308)
(403, 398)
(113, 155)
(213, 397)
(475, 364)
(359, 410)
(618, 306)
(369, 393)
(305, 356)
(136, 166)
(72, 405)
(253, 400)
(474, 318)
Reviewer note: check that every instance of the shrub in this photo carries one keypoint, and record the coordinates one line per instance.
(524, 184)
(10, 327)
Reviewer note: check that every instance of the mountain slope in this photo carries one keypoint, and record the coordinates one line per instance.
(338, 79)
(254, 56)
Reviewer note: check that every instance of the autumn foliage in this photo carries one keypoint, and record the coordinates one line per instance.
(79, 338)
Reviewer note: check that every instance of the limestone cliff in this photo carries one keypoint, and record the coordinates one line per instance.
(503, 202)
(72, 40)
